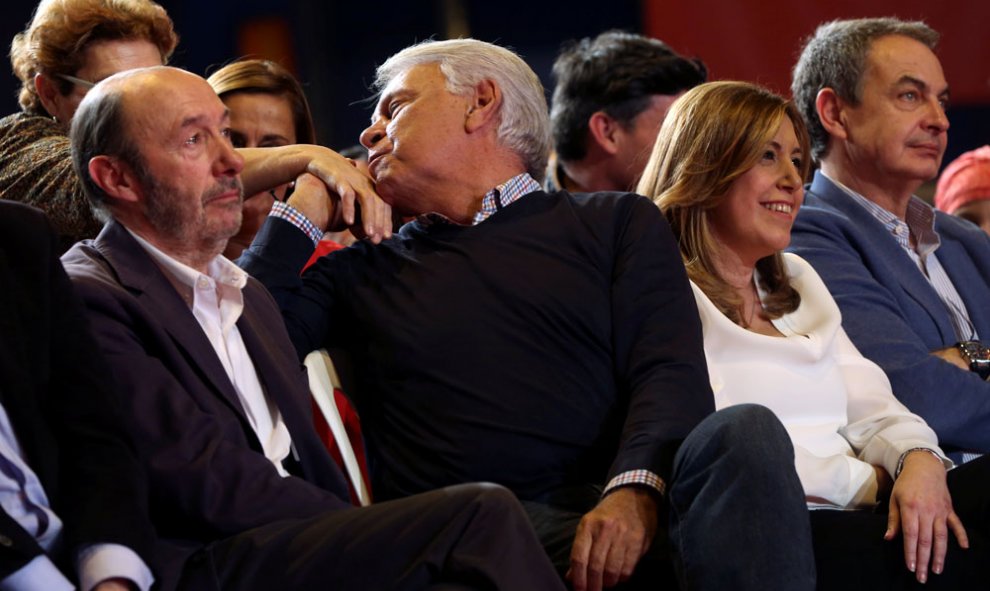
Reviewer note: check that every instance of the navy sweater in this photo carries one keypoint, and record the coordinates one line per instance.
(555, 343)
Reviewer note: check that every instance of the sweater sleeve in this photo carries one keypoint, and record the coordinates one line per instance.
(659, 358)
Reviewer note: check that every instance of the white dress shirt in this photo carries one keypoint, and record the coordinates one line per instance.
(216, 301)
(836, 405)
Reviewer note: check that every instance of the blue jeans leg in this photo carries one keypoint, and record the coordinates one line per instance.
(738, 516)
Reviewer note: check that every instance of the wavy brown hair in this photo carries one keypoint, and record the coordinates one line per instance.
(711, 136)
(61, 30)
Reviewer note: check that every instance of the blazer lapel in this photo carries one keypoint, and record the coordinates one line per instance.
(139, 273)
(959, 266)
(881, 245)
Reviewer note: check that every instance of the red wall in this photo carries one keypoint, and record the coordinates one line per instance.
(759, 40)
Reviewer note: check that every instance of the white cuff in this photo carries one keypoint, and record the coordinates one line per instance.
(100, 562)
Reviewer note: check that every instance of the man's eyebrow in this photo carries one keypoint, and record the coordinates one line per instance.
(385, 99)
(921, 85)
(202, 119)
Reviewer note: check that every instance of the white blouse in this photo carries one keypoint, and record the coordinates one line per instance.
(836, 405)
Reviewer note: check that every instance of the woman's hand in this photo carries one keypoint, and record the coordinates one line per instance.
(921, 510)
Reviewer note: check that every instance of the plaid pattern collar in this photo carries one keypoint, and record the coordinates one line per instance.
(493, 201)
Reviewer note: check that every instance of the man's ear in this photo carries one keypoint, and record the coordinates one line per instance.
(486, 101)
(603, 129)
(115, 177)
(48, 92)
(830, 112)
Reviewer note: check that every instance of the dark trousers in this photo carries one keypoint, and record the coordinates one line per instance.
(736, 507)
(851, 553)
(463, 537)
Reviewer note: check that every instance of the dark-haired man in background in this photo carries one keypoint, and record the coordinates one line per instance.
(612, 93)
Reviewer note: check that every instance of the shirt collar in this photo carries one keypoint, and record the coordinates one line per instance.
(185, 279)
(919, 222)
(493, 201)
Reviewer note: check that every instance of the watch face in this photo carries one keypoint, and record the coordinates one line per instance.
(978, 357)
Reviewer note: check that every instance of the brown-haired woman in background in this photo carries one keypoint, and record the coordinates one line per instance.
(267, 109)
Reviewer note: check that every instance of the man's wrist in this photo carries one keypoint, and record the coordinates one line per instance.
(977, 357)
(295, 217)
(636, 478)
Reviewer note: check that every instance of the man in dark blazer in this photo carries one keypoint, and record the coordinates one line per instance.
(548, 342)
(211, 385)
(54, 395)
(913, 283)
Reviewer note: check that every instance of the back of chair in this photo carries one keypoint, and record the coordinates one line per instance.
(323, 380)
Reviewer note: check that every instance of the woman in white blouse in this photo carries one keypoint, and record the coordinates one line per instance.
(727, 170)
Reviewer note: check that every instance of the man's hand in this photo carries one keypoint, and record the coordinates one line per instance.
(312, 198)
(921, 508)
(265, 168)
(611, 539)
(354, 189)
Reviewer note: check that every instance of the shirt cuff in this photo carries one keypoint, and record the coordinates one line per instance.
(636, 478)
(292, 215)
(40, 573)
(100, 562)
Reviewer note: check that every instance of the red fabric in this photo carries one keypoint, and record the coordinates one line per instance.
(352, 424)
(323, 248)
(966, 179)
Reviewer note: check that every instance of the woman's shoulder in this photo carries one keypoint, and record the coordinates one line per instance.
(817, 308)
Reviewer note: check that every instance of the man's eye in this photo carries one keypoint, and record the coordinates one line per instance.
(910, 95)
(192, 140)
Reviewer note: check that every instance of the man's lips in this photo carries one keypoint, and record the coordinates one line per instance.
(930, 148)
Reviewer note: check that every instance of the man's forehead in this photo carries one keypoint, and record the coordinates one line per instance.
(164, 105)
(413, 79)
(897, 57)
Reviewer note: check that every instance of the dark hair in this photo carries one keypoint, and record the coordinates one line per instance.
(100, 128)
(835, 57)
(62, 29)
(267, 77)
(616, 72)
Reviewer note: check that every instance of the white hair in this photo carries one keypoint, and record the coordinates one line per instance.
(524, 123)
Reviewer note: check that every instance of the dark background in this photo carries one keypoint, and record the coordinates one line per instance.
(334, 46)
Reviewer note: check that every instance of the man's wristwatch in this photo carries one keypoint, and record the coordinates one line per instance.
(977, 355)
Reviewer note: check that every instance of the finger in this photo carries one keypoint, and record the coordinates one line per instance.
(957, 528)
(597, 559)
(909, 532)
(346, 203)
(614, 565)
(940, 543)
(372, 215)
(893, 521)
(578, 573)
(923, 552)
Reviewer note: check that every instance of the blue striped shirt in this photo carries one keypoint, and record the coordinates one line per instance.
(920, 223)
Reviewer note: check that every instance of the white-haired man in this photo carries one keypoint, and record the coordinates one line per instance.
(543, 341)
